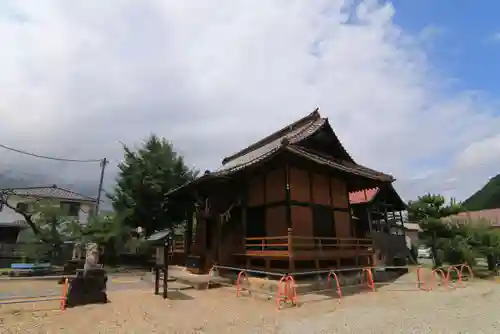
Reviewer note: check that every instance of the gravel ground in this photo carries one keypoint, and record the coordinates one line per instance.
(466, 310)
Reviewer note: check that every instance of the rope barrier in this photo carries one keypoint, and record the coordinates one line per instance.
(286, 293)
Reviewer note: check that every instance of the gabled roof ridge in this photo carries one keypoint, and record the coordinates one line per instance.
(54, 186)
(75, 193)
(24, 188)
(280, 133)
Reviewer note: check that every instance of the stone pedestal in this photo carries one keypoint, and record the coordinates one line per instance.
(71, 267)
(87, 288)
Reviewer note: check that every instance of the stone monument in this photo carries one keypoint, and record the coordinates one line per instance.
(89, 285)
(91, 256)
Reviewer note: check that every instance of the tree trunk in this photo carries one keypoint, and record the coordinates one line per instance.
(56, 253)
(491, 259)
(435, 256)
(109, 256)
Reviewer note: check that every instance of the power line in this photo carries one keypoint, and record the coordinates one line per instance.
(47, 157)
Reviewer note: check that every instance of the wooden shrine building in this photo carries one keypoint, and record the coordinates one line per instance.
(281, 204)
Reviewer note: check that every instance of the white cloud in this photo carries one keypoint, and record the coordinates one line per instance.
(214, 75)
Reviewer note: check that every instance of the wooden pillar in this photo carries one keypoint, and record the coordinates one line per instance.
(291, 262)
(157, 279)
(387, 224)
(188, 234)
(165, 269)
(218, 237)
(402, 223)
(369, 216)
(287, 197)
(244, 207)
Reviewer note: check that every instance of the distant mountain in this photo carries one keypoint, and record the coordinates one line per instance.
(10, 182)
(487, 197)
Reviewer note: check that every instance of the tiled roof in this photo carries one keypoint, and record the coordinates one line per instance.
(49, 192)
(341, 165)
(289, 138)
(362, 196)
(490, 215)
(293, 133)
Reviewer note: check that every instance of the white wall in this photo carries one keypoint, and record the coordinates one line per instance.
(8, 215)
(85, 209)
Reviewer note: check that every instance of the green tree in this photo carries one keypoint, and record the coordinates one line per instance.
(428, 211)
(486, 241)
(145, 177)
(107, 230)
(49, 226)
(432, 206)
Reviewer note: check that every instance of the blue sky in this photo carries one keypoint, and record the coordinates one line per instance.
(464, 44)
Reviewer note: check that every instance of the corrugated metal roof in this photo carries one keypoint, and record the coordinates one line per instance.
(49, 192)
(362, 196)
(368, 195)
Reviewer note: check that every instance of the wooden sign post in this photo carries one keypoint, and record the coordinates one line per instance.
(162, 240)
(161, 266)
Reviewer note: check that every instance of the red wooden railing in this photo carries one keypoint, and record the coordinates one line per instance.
(296, 244)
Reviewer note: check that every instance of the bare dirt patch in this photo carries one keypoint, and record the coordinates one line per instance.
(471, 309)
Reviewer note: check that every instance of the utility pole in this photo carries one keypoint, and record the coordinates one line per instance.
(104, 162)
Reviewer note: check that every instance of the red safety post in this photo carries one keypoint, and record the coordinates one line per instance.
(443, 277)
(64, 294)
(337, 283)
(421, 282)
(370, 283)
(469, 269)
(281, 293)
(242, 274)
(292, 292)
(286, 291)
(448, 275)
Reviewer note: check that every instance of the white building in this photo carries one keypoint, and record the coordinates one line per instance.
(73, 204)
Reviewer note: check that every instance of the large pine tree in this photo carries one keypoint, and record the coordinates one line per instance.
(145, 176)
